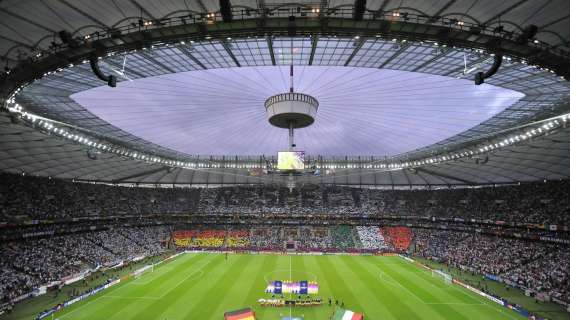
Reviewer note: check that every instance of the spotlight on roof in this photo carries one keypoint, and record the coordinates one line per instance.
(292, 27)
(528, 33)
(358, 10)
(499, 29)
(480, 76)
(111, 80)
(92, 154)
(15, 118)
(226, 10)
(67, 39)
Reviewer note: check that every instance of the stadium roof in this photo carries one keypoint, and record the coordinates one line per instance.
(461, 116)
(28, 24)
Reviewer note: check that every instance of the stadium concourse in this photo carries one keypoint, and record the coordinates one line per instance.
(284, 160)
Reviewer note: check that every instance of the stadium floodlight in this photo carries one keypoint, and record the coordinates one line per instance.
(111, 80)
(68, 39)
(481, 76)
(358, 10)
(528, 33)
(226, 10)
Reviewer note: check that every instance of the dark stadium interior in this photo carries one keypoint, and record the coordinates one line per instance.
(167, 159)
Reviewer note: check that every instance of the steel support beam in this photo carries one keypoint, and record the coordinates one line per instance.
(357, 48)
(140, 174)
(156, 62)
(83, 13)
(395, 55)
(202, 6)
(443, 175)
(314, 41)
(270, 46)
(128, 70)
(226, 46)
(32, 22)
(443, 53)
(384, 5)
(191, 56)
(507, 10)
(553, 22)
(438, 13)
(143, 9)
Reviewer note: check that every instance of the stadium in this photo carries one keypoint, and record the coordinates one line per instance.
(284, 160)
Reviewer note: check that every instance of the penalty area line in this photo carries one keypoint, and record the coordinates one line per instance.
(200, 271)
(455, 303)
(402, 286)
(123, 297)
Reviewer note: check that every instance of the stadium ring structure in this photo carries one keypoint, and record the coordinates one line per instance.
(45, 132)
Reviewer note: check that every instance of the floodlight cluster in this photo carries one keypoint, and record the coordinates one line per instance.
(78, 135)
(75, 135)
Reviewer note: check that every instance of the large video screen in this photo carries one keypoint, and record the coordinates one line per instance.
(291, 160)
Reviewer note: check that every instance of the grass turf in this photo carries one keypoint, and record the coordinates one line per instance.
(204, 286)
(548, 310)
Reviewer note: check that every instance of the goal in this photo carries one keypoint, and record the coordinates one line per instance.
(146, 269)
(447, 278)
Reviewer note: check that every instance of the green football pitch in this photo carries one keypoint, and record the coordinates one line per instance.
(205, 285)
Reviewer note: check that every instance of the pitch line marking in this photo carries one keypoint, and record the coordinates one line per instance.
(394, 282)
(80, 307)
(265, 276)
(403, 287)
(455, 303)
(383, 276)
(483, 301)
(500, 309)
(149, 276)
(149, 297)
(123, 297)
(183, 280)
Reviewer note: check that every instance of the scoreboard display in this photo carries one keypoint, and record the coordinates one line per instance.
(291, 160)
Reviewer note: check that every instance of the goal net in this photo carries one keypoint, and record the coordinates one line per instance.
(144, 270)
(447, 278)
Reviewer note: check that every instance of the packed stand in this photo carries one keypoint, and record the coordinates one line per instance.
(538, 266)
(398, 237)
(342, 237)
(25, 197)
(370, 237)
(26, 265)
(237, 239)
(528, 203)
(335, 238)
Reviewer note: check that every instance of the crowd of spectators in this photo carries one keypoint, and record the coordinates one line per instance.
(543, 202)
(306, 238)
(24, 197)
(538, 266)
(26, 265)
(370, 237)
(540, 203)
(269, 238)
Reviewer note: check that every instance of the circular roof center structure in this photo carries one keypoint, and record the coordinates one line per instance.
(291, 110)
(369, 111)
